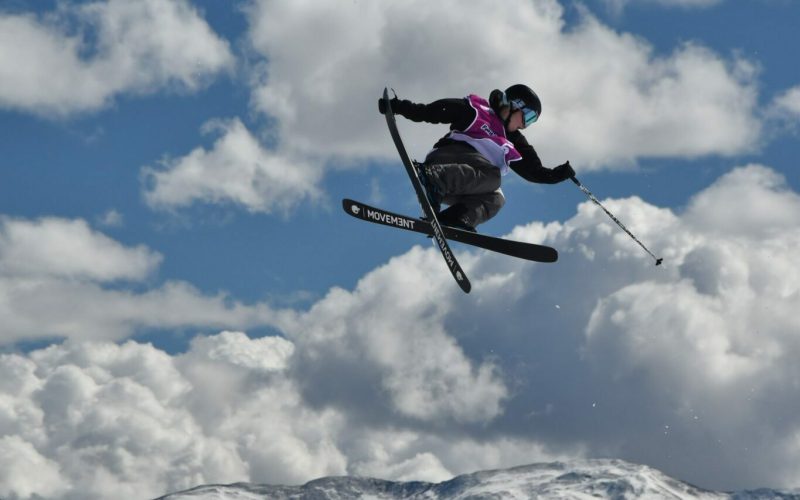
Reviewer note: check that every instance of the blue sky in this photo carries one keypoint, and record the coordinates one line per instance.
(170, 190)
(103, 151)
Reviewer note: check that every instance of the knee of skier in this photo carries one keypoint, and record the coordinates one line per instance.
(491, 206)
(498, 200)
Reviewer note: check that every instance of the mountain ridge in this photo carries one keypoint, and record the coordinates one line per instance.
(590, 478)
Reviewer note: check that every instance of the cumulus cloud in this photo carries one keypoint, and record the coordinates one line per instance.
(687, 367)
(81, 56)
(25, 472)
(713, 343)
(128, 420)
(790, 100)
(237, 169)
(608, 99)
(601, 354)
(61, 278)
(63, 248)
(748, 202)
(785, 108)
(379, 330)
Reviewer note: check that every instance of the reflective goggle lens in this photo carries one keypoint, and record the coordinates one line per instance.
(529, 115)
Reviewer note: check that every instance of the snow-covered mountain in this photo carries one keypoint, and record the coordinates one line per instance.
(584, 479)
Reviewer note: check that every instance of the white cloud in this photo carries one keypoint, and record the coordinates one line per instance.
(687, 367)
(266, 354)
(618, 6)
(786, 106)
(748, 202)
(639, 362)
(399, 338)
(608, 99)
(790, 100)
(114, 417)
(112, 218)
(60, 278)
(702, 348)
(131, 421)
(45, 308)
(237, 169)
(62, 248)
(81, 56)
(25, 473)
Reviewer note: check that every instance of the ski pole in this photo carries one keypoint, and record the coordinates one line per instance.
(622, 226)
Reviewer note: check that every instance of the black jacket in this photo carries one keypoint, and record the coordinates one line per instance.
(459, 114)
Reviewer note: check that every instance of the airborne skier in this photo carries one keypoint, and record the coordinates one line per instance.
(465, 167)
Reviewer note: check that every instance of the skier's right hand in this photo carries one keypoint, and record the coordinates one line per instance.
(382, 104)
(564, 171)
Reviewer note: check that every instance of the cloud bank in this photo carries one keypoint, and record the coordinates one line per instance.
(688, 367)
(609, 99)
(600, 88)
(61, 278)
(79, 57)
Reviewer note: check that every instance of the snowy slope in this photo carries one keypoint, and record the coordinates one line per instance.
(613, 479)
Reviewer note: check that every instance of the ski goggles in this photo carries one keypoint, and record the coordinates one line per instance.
(529, 116)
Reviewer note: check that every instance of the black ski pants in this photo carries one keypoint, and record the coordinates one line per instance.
(467, 181)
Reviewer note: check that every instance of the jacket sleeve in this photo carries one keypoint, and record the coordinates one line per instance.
(457, 112)
(530, 166)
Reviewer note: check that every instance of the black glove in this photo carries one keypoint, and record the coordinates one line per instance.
(382, 105)
(564, 171)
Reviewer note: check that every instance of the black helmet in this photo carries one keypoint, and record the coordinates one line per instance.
(522, 97)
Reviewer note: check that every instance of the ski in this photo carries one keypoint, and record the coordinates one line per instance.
(527, 251)
(436, 228)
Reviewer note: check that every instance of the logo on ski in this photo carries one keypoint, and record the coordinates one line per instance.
(430, 214)
(446, 253)
(391, 220)
(522, 250)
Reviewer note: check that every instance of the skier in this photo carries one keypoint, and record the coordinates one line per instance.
(464, 168)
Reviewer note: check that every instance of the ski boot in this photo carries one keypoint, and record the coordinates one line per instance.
(456, 216)
(432, 191)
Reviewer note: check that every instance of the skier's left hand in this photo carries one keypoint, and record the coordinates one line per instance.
(564, 171)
